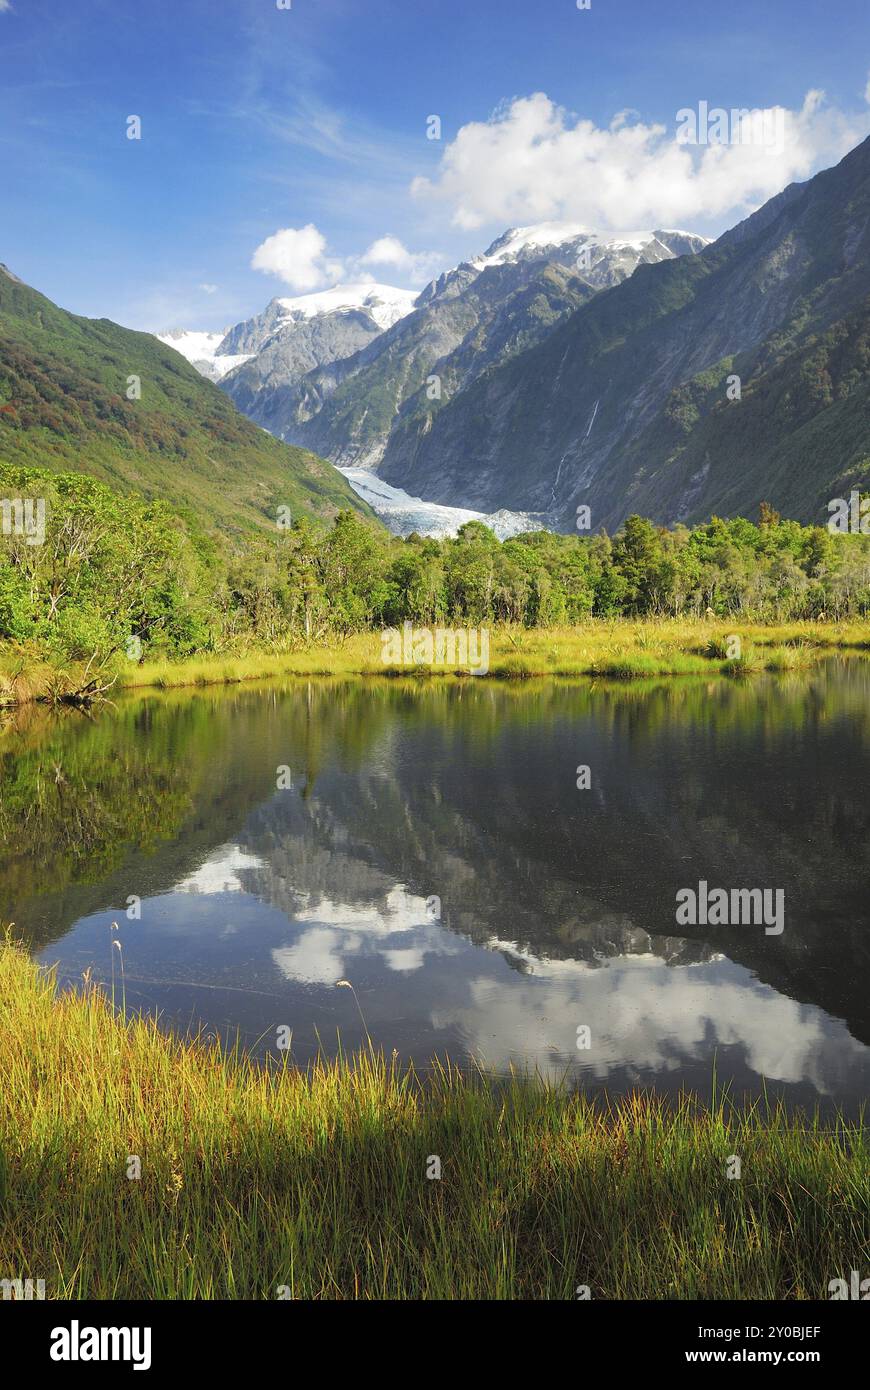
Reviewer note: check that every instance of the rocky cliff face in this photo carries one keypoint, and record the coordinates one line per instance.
(285, 357)
(480, 314)
(624, 406)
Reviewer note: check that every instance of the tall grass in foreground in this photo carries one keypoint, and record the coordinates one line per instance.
(253, 1180)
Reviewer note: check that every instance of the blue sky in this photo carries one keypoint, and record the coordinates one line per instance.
(258, 121)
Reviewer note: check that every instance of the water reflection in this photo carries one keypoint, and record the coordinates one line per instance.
(433, 848)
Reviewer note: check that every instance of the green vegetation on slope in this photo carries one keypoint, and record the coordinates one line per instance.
(258, 1184)
(64, 406)
(799, 432)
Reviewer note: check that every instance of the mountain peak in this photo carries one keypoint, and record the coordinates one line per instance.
(625, 405)
(386, 304)
(566, 240)
(539, 236)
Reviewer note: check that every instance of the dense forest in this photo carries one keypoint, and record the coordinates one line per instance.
(121, 574)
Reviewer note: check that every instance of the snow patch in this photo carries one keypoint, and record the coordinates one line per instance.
(548, 236)
(385, 303)
(201, 350)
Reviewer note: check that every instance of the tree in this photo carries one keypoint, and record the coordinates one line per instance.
(637, 554)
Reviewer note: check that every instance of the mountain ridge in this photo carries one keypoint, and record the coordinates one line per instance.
(64, 405)
(346, 405)
(604, 411)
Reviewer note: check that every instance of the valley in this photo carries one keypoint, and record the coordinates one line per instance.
(434, 671)
(570, 370)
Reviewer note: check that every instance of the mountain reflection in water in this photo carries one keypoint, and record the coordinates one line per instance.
(434, 849)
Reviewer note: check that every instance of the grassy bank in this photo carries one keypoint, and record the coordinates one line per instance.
(614, 650)
(608, 649)
(317, 1182)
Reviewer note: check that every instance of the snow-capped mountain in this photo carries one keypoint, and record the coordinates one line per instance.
(385, 303)
(361, 311)
(366, 306)
(568, 240)
(293, 337)
(356, 313)
(204, 351)
(624, 406)
(351, 371)
(345, 397)
(599, 259)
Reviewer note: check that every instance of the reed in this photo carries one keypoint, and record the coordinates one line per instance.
(619, 650)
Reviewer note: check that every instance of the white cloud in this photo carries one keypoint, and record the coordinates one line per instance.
(337, 935)
(209, 289)
(534, 161)
(867, 89)
(5, 7)
(647, 1017)
(388, 251)
(300, 257)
